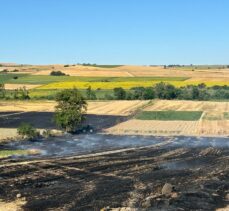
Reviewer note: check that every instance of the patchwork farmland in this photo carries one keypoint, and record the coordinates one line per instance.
(137, 148)
(104, 78)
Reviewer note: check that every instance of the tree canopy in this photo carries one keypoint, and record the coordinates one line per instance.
(70, 109)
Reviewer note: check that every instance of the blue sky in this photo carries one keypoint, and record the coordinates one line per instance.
(114, 31)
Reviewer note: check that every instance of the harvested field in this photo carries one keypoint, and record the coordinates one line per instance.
(7, 133)
(122, 108)
(18, 86)
(155, 127)
(127, 71)
(213, 121)
(195, 172)
(100, 115)
(182, 105)
(211, 127)
(26, 106)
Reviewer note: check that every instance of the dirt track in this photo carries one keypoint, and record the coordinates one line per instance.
(135, 178)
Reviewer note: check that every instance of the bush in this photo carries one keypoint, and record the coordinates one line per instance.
(21, 94)
(57, 73)
(27, 131)
(90, 94)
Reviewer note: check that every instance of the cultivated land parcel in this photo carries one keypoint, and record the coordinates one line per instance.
(136, 149)
(104, 78)
(145, 117)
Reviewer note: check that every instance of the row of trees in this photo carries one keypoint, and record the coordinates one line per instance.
(169, 92)
(159, 91)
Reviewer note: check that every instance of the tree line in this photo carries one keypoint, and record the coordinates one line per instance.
(169, 92)
(159, 91)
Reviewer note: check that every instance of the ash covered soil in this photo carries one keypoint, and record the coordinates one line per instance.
(167, 177)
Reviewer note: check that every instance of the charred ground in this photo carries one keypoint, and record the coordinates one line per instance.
(135, 178)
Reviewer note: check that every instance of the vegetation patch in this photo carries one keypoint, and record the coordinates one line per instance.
(57, 73)
(10, 77)
(226, 115)
(8, 153)
(46, 79)
(170, 115)
(27, 131)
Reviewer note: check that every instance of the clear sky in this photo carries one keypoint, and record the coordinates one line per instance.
(114, 31)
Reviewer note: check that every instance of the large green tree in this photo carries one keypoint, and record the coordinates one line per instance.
(70, 109)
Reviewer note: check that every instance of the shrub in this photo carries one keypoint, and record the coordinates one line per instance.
(27, 131)
(21, 94)
(90, 94)
(57, 73)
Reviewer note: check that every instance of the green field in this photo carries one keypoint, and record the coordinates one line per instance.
(46, 79)
(170, 115)
(51, 93)
(9, 78)
(226, 115)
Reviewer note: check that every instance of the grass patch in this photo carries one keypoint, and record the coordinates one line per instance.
(41, 79)
(8, 153)
(226, 115)
(170, 115)
(10, 77)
